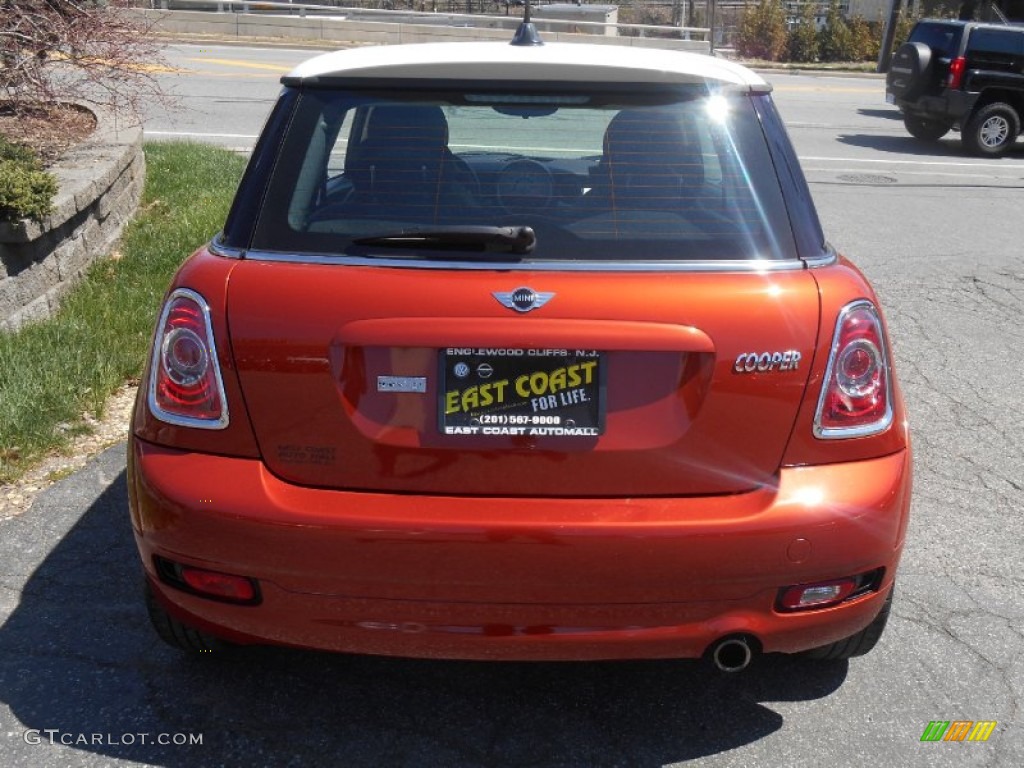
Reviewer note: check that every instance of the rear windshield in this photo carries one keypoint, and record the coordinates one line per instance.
(943, 39)
(636, 177)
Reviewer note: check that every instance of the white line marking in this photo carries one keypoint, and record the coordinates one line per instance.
(989, 165)
(903, 174)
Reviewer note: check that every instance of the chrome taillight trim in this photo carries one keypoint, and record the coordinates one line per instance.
(155, 363)
(864, 430)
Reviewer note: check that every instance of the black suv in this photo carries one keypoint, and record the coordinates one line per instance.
(963, 75)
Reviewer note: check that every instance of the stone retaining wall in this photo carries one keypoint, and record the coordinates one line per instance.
(100, 185)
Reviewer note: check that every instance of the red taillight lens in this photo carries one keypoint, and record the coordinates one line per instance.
(856, 398)
(185, 382)
(956, 72)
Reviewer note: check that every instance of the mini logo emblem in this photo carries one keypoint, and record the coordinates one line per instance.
(523, 299)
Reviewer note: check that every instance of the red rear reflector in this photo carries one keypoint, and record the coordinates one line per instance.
(215, 584)
(856, 397)
(956, 72)
(185, 382)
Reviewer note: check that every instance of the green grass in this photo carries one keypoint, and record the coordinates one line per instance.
(54, 371)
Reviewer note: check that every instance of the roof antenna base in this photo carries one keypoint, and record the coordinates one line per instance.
(527, 34)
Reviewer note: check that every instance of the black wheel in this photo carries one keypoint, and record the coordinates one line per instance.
(924, 129)
(991, 130)
(910, 70)
(859, 644)
(179, 635)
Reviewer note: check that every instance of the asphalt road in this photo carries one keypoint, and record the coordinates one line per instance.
(939, 234)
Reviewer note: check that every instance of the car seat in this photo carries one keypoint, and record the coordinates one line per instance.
(403, 166)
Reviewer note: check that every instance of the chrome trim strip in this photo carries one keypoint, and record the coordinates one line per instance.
(840, 433)
(217, 248)
(830, 257)
(763, 265)
(154, 367)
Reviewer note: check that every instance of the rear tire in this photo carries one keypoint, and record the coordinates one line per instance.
(924, 129)
(178, 635)
(992, 130)
(858, 644)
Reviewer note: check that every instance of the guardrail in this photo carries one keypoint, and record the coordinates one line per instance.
(304, 10)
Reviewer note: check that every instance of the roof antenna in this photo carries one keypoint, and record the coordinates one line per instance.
(527, 34)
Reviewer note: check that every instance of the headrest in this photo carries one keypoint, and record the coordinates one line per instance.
(407, 125)
(649, 137)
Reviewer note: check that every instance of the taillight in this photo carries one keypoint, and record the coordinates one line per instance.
(185, 383)
(956, 72)
(856, 397)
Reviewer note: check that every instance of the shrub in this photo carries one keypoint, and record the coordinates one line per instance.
(18, 153)
(835, 40)
(866, 39)
(803, 38)
(904, 25)
(26, 190)
(762, 31)
(95, 51)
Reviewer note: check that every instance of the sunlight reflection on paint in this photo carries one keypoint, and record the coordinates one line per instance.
(811, 496)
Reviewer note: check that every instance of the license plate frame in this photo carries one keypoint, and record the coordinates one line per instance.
(522, 392)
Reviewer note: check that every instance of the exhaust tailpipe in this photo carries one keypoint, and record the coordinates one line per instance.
(732, 654)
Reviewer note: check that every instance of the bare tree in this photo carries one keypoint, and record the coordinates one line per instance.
(54, 51)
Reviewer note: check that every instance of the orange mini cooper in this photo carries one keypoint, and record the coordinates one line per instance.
(521, 352)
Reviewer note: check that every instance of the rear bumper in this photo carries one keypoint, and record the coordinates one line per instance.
(517, 578)
(951, 107)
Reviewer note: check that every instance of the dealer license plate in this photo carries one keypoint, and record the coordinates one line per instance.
(531, 392)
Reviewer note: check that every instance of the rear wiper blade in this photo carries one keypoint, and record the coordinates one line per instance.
(465, 239)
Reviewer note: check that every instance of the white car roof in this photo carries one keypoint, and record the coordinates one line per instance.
(496, 61)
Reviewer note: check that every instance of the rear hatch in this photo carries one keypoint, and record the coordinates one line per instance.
(619, 385)
(525, 287)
